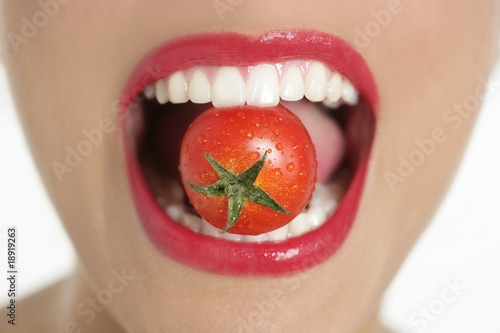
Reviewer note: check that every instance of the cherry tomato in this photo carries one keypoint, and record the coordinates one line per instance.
(248, 170)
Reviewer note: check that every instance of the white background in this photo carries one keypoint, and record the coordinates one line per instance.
(463, 242)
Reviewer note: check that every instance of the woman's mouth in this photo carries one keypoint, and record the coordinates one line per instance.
(319, 77)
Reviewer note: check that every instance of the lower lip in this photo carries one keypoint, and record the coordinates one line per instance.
(224, 257)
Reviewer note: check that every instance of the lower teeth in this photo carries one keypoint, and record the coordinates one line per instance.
(323, 204)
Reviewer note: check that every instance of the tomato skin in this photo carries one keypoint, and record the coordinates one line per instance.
(237, 138)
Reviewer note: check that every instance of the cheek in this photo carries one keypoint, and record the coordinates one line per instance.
(431, 65)
(436, 55)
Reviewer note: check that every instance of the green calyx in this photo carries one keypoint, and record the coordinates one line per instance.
(239, 188)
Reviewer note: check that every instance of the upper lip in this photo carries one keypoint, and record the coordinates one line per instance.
(232, 49)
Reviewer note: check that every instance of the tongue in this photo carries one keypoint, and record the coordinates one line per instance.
(325, 134)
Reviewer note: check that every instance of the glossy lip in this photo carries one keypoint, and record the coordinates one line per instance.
(231, 49)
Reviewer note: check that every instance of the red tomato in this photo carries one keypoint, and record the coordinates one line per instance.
(221, 149)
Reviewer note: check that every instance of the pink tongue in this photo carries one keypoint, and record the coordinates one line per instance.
(325, 134)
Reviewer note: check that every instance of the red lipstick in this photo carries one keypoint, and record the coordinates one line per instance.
(222, 256)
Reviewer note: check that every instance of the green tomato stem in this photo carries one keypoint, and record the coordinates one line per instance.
(239, 189)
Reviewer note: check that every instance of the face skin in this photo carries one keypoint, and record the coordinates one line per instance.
(431, 55)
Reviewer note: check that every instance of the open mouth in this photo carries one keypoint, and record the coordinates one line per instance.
(318, 77)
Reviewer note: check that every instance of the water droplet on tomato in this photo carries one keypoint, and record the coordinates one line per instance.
(269, 151)
(302, 173)
(290, 166)
(208, 127)
(254, 155)
(247, 134)
(256, 121)
(276, 172)
(279, 146)
(276, 132)
(185, 148)
(202, 139)
(241, 115)
(296, 146)
(227, 149)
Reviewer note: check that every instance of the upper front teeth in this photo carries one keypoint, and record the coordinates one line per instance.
(199, 90)
(177, 88)
(315, 85)
(292, 85)
(261, 85)
(228, 88)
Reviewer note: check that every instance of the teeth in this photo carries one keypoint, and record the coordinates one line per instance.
(233, 237)
(199, 88)
(292, 85)
(315, 84)
(150, 91)
(334, 88)
(280, 234)
(177, 88)
(316, 216)
(228, 88)
(349, 93)
(192, 222)
(300, 225)
(175, 212)
(209, 230)
(162, 91)
(331, 105)
(256, 239)
(261, 85)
